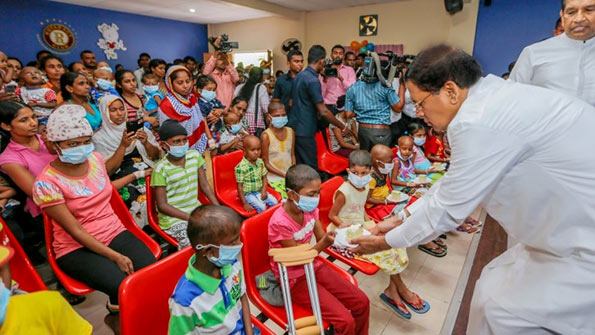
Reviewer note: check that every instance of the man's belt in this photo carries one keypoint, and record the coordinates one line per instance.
(374, 126)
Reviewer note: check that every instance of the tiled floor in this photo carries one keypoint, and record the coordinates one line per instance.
(434, 279)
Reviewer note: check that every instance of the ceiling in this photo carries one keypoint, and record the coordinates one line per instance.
(314, 5)
(206, 11)
(218, 11)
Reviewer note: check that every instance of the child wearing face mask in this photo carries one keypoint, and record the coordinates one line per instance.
(278, 143)
(210, 107)
(176, 178)
(295, 222)
(211, 295)
(378, 205)
(349, 210)
(152, 94)
(105, 85)
(231, 139)
(420, 162)
(404, 172)
(344, 144)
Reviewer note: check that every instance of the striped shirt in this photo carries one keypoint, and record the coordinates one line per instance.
(371, 102)
(202, 304)
(181, 185)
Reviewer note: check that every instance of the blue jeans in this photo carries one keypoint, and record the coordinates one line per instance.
(260, 205)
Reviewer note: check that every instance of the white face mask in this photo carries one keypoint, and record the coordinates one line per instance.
(359, 182)
(388, 167)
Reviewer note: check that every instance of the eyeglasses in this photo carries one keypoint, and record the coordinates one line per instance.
(420, 104)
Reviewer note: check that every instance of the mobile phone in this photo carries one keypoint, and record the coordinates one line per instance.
(132, 126)
(10, 88)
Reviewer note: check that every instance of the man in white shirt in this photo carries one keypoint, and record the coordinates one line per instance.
(523, 153)
(564, 63)
(143, 66)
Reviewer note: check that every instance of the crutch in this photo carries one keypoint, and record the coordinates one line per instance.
(304, 255)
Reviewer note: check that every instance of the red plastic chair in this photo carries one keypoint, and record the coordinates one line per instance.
(327, 191)
(21, 269)
(226, 187)
(394, 150)
(119, 207)
(254, 235)
(328, 161)
(144, 296)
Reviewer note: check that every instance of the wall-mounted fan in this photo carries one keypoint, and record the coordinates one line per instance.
(368, 25)
(291, 44)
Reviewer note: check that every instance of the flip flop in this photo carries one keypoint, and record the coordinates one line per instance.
(440, 243)
(418, 310)
(394, 305)
(475, 223)
(432, 251)
(470, 229)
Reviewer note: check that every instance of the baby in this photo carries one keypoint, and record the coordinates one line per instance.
(105, 85)
(152, 94)
(42, 100)
(231, 139)
(6, 72)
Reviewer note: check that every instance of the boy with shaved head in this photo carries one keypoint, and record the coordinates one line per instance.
(103, 78)
(251, 176)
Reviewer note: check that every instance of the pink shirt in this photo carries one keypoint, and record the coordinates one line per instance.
(87, 198)
(33, 161)
(420, 157)
(282, 227)
(226, 80)
(334, 87)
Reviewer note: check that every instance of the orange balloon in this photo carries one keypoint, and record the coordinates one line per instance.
(364, 42)
(355, 45)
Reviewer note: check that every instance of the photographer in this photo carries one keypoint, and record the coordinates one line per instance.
(223, 72)
(336, 78)
(308, 107)
(373, 104)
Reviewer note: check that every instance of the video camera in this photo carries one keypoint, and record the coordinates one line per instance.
(329, 70)
(385, 70)
(226, 46)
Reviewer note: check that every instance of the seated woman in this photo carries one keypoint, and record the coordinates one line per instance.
(75, 89)
(90, 242)
(125, 153)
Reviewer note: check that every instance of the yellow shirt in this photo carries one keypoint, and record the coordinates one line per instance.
(42, 313)
(378, 193)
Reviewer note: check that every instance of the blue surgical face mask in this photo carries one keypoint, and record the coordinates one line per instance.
(235, 128)
(76, 155)
(178, 151)
(227, 253)
(104, 84)
(150, 88)
(279, 121)
(208, 95)
(359, 182)
(107, 68)
(4, 298)
(419, 141)
(306, 204)
(266, 71)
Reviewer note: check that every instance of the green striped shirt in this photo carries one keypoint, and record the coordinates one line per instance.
(181, 185)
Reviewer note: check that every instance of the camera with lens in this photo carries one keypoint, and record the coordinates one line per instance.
(226, 45)
(384, 70)
(329, 69)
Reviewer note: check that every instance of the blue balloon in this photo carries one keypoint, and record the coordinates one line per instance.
(370, 46)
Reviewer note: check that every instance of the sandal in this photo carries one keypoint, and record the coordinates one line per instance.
(474, 223)
(468, 228)
(395, 306)
(436, 251)
(424, 309)
(440, 243)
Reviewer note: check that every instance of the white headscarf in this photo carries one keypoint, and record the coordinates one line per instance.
(108, 138)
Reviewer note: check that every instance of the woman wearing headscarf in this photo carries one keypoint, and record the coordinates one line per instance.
(125, 153)
(182, 105)
(90, 242)
(258, 100)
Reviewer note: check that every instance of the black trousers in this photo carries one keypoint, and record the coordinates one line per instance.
(305, 151)
(102, 274)
(369, 137)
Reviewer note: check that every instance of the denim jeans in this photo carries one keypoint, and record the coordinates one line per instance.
(260, 205)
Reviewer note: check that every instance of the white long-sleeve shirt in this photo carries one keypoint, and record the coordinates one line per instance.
(560, 63)
(526, 155)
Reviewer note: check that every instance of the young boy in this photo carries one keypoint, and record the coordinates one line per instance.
(251, 175)
(42, 100)
(103, 79)
(349, 210)
(151, 89)
(278, 147)
(210, 298)
(175, 179)
(232, 138)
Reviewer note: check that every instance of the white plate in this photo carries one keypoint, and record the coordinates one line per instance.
(442, 167)
(403, 197)
(341, 238)
(417, 181)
